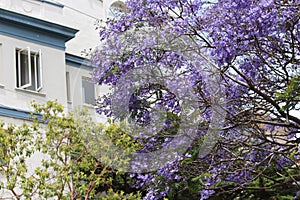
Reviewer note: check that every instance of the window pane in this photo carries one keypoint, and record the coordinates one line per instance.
(28, 74)
(68, 87)
(1, 64)
(38, 71)
(116, 9)
(17, 64)
(33, 78)
(24, 68)
(88, 92)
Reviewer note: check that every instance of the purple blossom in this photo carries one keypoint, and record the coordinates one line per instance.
(253, 45)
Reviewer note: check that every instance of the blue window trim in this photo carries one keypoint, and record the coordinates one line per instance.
(79, 62)
(52, 3)
(35, 30)
(17, 113)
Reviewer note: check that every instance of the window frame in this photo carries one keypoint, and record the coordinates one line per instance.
(37, 69)
(1, 66)
(83, 78)
(68, 85)
(116, 8)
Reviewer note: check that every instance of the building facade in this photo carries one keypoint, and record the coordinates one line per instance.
(41, 45)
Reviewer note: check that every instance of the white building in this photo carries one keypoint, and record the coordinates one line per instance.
(41, 44)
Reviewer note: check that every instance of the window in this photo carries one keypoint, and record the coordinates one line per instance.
(88, 91)
(116, 9)
(1, 69)
(68, 87)
(29, 69)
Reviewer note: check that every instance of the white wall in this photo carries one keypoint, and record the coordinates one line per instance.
(53, 68)
(76, 75)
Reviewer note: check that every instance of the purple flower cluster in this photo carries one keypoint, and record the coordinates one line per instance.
(173, 57)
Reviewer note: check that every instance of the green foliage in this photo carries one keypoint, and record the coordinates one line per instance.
(16, 145)
(74, 164)
(111, 195)
(291, 94)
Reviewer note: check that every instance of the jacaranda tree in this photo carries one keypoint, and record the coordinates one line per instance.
(211, 90)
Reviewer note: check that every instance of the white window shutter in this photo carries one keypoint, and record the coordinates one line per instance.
(26, 76)
(38, 71)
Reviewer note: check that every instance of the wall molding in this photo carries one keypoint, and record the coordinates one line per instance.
(17, 113)
(34, 30)
(52, 3)
(79, 62)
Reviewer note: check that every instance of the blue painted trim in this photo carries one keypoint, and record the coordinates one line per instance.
(17, 113)
(53, 3)
(34, 30)
(79, 62)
